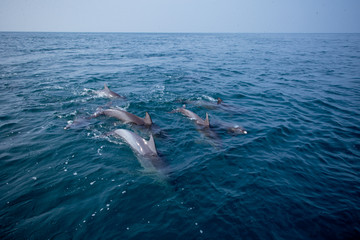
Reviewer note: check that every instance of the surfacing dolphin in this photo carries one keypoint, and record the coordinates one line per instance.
(137, 143)
(146, 150)
(214, 105)
(199, 121)
(229, 128)
(205, 104)
(203, 126)
(78, 123)
(125, 116)
(106, 92)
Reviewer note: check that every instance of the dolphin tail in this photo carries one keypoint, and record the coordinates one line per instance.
(207, 123)
(151, 144)
(147, 119)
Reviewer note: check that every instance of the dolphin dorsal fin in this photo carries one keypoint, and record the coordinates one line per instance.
(219, 101)
(151, 144)
(106, 88)
(147, 119)
(207, 123)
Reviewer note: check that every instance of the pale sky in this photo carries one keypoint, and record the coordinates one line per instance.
(244, 16)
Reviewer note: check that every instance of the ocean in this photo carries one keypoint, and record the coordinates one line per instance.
(294, 175)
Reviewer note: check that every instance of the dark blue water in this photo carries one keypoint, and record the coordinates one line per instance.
(295, 175)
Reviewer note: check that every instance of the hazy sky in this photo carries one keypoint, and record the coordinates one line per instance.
(180, 15)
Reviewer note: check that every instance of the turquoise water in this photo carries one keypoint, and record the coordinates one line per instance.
(295, 175)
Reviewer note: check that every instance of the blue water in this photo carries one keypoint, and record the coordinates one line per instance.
(295, 175)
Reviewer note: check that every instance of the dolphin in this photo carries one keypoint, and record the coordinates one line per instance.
(199, 121)
(106, 92)
(78, 123)
(209, 105)
(203, 126)
(125, 116)
(146, 150)
(205, 104)
(230, 128)
(137, 143)
(213, 105)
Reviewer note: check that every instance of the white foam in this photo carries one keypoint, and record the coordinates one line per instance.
(86, 91)
(67, 115)
(98, 151)
(101, 94)
(54, 87)
(94, 93)
(158, 87)
(209, 98)
(123, 108)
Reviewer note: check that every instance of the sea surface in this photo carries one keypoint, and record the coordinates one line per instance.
(294, 175)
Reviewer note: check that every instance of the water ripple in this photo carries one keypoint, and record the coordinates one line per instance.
(294, 175)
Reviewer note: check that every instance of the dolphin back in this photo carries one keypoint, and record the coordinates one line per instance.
(137, 143)
(111, 93)
(195, 117)
(126, 117)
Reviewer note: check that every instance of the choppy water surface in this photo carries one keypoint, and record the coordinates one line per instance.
(295, 175)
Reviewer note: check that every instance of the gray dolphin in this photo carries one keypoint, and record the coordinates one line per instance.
(137, 143)
(230, 128)
(205, 104)
(203, 126)
(149, 158)
(212, 105)
(108, 93)
(199, 121)
(125, 116)
(78, 123)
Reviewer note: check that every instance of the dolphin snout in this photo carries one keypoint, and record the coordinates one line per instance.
(237, 130)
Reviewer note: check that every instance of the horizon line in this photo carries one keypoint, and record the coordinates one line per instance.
(149, 32)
